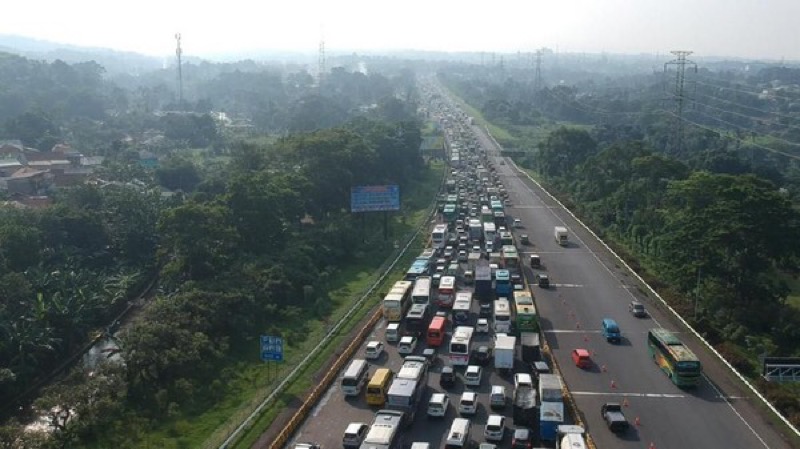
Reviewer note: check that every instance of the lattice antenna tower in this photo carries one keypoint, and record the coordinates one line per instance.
(679, 96)
(537, 79)
(178, 53)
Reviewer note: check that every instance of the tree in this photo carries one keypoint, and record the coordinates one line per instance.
(565, 149)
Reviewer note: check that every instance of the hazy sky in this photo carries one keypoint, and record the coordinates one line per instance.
(747, 28)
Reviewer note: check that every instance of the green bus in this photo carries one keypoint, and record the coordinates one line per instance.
(674, 358)
(527, 321)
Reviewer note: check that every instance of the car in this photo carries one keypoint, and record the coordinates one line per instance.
(485, 309)
(476, 249)
(507, 202)
(307, 446)
(468, 404)
(481, 355)
(374, 350)
(487, 446)
(581, 358)
(610, 330)
(522, 380)
(407, 345)
(498, 399)
(637, 309)
(462, 255)
(489, 247)
(524, 239)
(495, 428)
(438, 405)
(542, 280)
(447, 379)
(516, 279)
(536, 261)
(482, 326)
(435, 279)
(517, 223)
(354, 435)
(521, 439)
(473, 375)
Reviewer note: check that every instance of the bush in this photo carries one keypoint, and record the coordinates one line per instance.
(736, 357)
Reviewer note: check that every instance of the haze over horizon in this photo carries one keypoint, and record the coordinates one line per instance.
(746, 28)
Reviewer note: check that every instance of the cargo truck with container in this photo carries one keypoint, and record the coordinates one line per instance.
(504, 350)
(551, 416)
(561, 236)
(483, 283)
(550, 388)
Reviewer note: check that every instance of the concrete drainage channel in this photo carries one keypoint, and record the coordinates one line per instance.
(301, 413)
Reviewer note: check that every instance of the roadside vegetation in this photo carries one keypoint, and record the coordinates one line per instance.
(244, 223)
(710, 221)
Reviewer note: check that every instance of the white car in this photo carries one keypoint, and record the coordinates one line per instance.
(438, 405)
(473, 375)
(517, 223)
(374, 350)
(468, 404)
(482, 326)
(407, 345)
(495, 428)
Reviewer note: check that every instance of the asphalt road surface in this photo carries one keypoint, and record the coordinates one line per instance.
(589, 285)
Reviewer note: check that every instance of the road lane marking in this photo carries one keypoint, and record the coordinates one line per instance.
(570, 331)
(568, 285)
(629, 395)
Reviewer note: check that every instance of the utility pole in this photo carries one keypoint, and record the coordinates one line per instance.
(680, 63)
(178, 53)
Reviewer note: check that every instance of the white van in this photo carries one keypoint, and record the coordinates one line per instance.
(458, 435)
(393, 332)
(355, 377)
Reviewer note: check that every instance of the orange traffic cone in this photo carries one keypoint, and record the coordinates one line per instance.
(613, 385)
(637, 422)
(603, 368)
(625, 402)
(652, 445)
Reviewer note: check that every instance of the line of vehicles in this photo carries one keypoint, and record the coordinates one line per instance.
(463, 312)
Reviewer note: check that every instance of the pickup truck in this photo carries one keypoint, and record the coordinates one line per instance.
(615, 419)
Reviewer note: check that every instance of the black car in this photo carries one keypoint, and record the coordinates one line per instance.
(448, 377)
(486, 310)
(481, 356)
(543, 281)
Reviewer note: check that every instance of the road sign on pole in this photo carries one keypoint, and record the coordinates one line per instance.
(271, 348)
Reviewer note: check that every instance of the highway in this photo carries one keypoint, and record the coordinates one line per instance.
(591, 285)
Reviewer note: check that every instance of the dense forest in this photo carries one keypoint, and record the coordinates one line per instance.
(711, 220)
(246, 244)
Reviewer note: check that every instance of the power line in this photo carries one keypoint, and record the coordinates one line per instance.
(757, 145)
(787, 142)
(749, 92)
(778, 114)
(746, 116)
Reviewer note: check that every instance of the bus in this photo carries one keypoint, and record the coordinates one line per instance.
(510, 258)
(527, 321)
(487, 216)
(674, 358)
(461, 306)
(414, 368)
(378, 386)
(439, 236)
(506, 238)
(502, 316)
(489, 232)
(418, 268)
(447, 289)
(500, 220)
(461, 346)
(449, 213)
(436, 331)
(405, 395)
(416, 320)
(422, 291)
(397, 301)
(502, 283)
(384, 433)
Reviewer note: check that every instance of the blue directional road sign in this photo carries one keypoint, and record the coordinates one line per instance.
(271, 348)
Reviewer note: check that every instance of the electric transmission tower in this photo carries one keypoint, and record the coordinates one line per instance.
(178, 53)
(678, 96)
(321, 64)
(537, 79)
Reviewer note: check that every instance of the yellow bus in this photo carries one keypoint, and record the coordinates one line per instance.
(397, 301)
(378, 386)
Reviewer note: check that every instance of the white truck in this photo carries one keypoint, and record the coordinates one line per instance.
(504, 352)
(561, 236)
(550, 388)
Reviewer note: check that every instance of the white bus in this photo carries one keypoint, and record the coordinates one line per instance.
(461, 306)
(502, 316)
(447, 289)
(422, 291)
(397, 301)
(461, 345)
(439, 236)
(489, 232)
(384, 433)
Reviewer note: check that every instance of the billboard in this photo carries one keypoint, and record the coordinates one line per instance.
(374, 198)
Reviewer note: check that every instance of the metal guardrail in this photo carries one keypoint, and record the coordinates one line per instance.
(296, 420)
